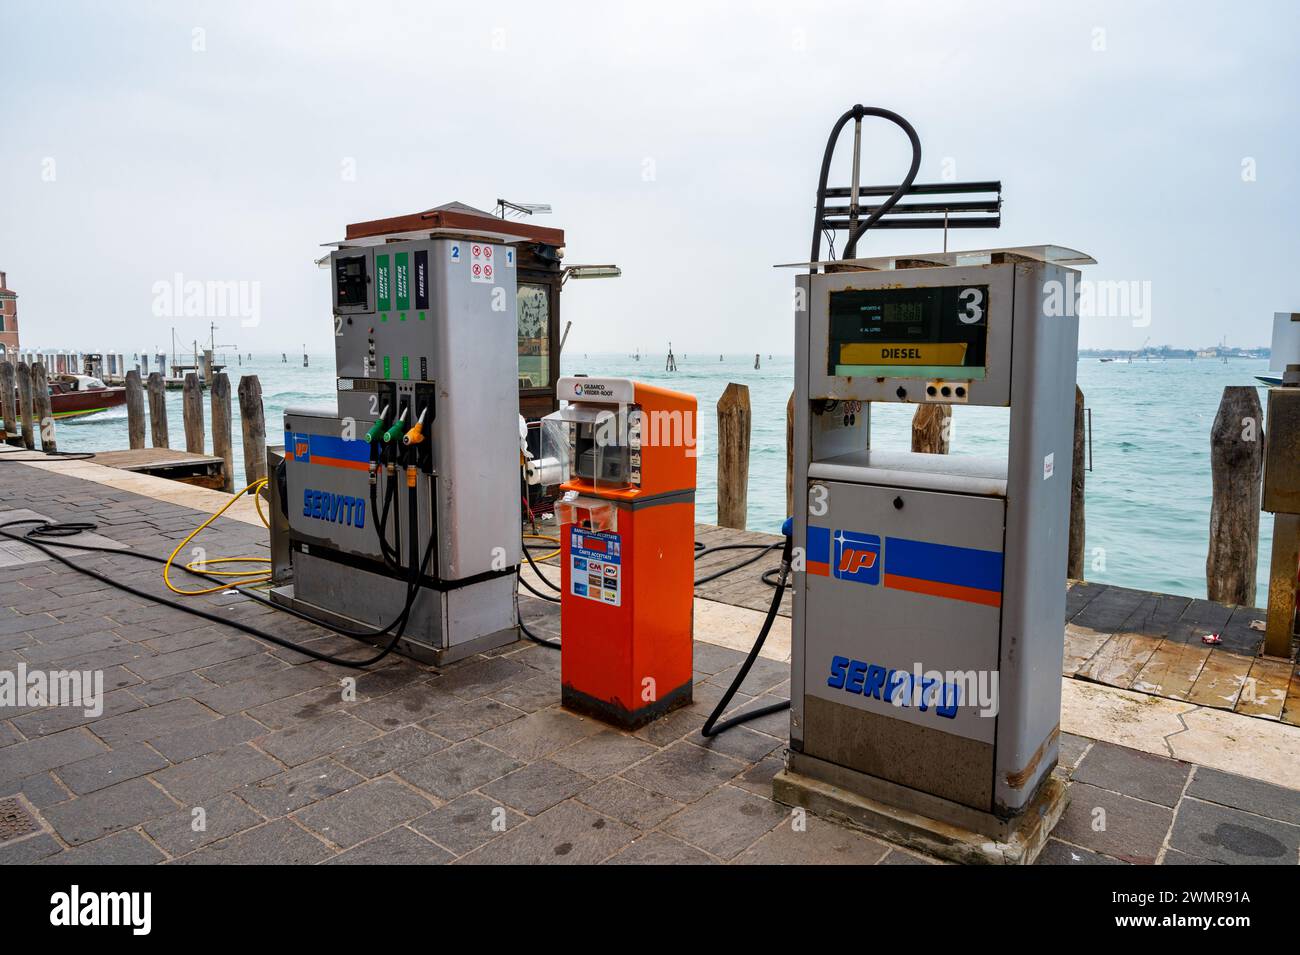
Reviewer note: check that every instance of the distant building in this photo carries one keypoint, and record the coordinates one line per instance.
(8, 319)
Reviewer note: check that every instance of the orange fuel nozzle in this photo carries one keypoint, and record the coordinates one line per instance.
(416, 434)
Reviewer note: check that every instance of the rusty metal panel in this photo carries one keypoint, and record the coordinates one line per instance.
(1282, 452)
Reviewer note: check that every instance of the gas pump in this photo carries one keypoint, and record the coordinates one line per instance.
(402, 502)
(624, 454)
(928, 611)
(930, 588)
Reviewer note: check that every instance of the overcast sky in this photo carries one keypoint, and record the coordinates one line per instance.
(227, 141)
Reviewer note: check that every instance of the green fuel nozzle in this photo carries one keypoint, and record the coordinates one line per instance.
(377, 428)
(396, 429)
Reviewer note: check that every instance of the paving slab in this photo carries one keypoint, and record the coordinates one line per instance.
(99, 813)
(726, 821)
(391, 751)
(122, 848)
(396, 847)
(107, 769)
(459, 769)
(279, 842)
(294, 788)
(1119, 826)
(659, 848)
(1250, 795)
(467, 822)
(463, 720)
(817, 843)
(192, 828)
(1133, 773)
(365, 811)
(567, 834)
(1056, 852)
(684, 771)
(196, 780)
(304, 742)
(536, 787)
(630, 803)
(603, 754)
(1222, 834)
(28, 758)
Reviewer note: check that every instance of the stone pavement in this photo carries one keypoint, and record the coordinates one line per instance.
(474, 763)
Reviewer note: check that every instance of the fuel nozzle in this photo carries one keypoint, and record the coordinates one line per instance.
(377, 428)
(416, 434)
(396, 429)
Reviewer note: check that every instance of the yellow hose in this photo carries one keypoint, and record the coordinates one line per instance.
(544, 537)
(200, 566)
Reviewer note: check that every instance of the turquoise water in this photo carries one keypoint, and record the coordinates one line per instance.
(1148, 497)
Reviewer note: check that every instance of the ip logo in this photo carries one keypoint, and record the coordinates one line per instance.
(857, 557)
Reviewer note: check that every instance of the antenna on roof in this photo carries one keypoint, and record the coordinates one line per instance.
(522, 208)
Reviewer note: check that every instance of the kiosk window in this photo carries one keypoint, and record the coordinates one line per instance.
(909, 333)
(534, 307)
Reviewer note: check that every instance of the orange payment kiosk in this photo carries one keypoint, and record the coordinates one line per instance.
(624, 455)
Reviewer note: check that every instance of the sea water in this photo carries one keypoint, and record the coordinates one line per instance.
(1148, 493)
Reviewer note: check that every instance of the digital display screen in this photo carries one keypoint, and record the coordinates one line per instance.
(909, 333)
(350, 281)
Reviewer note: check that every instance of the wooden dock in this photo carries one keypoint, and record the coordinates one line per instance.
(202, 470)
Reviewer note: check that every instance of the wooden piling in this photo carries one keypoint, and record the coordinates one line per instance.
(208, 372)
(158, 410)
(733, 456)
(24, 372)
(931, 429)
(134, 410)
(1236, 463)
(221, 444)
(252, 418)
(1074, 563)
(41, 409)
(9, 433)
(789, 456)
(192, 408)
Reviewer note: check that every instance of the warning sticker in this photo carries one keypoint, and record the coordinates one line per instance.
(480, 262)
(595, 566)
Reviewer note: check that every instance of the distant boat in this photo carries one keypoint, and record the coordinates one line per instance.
(1105, 359)
(72, 396)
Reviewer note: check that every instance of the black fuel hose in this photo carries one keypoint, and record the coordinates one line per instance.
(53, 529)
(711, 726)
(56, 455)
(856, 113)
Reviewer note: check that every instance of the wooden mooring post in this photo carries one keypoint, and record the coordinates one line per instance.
(1236, 464)
(8, 404)
(41, 409)
(253, 420)
(733, 456)
(1074, 563)
(789, 456)
(192, 408)
(134, 410)
(24, 373)
(932, 429)
(158, 410)
(221, 444)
